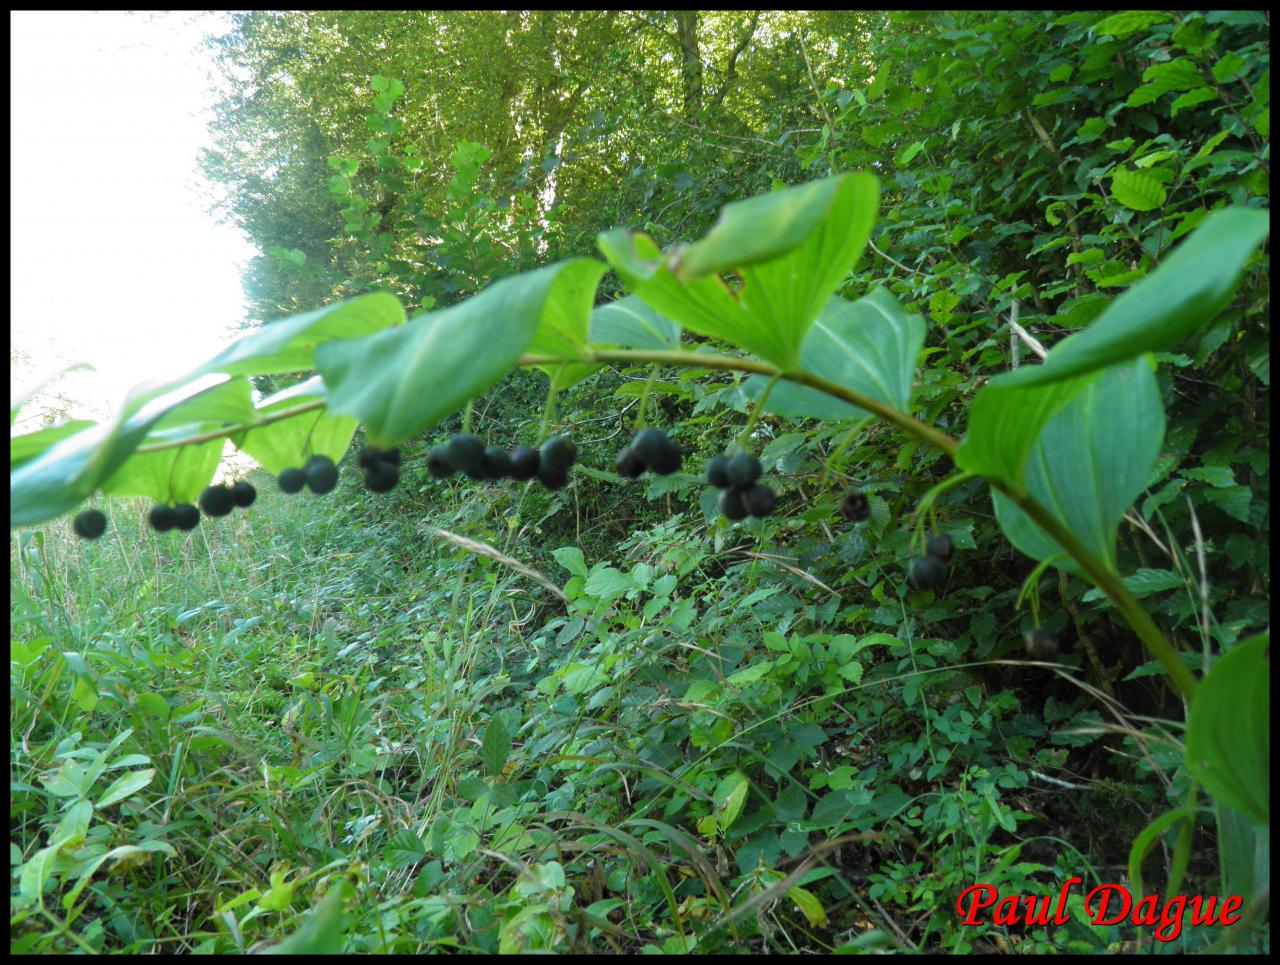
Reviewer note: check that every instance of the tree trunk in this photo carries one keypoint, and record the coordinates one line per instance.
(691, 65)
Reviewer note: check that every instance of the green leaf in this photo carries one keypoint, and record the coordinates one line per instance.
(1135, 190)
(69, 471)
(1228, 66)
(877, 86)
(792, 249)
(495, 747)
(459, 351)
(1090, 463)
(1120, 24)
(571, 558)
(729, 797)
(1191, 98)
(630, 323)
(169, 476)
(1190, 287)
(1004, 425)
(290, 442)
(1143, 582)
(809, 906)
(289, 345)
(1229, 729)
(126, 785)
(404, 849)
(322, 931)
(870, 345)
(30, 445)
(908, 154)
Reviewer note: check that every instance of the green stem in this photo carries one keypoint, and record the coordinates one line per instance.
(642, 420)
(1107, 581)
(222, 433)
(745, 436)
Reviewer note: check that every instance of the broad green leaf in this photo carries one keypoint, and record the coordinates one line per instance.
(401, 381)
(869, 345)
(290, 442)
(69, 471)
(1004, 425)
(405, 848)
(18, 401)
(1090, 463)
(168, 476)
(1120, 24)
(1138, 191)
(322, 931)
(1229, 729)
(126, 785)
(881, 81)
(495, 747)
(30, 445)
(1189, 288)
(177, 475)
(571, 558)
(289, 345)
(809, 906)
(630, 323)
(730, 795)
(908, 154)
(791, 250)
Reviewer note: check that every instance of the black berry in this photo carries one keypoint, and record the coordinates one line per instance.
(743, 471)
(657, 452)
(89, 524)
(438, 463)
(855, 507)
(718, 471)
(628, 464)
(292, 480)
(322, 475)
(391, 456)
(939, 545)
(162, 518)
(381, 477)
(244, 493)
(524, 463)
(465, 452)
(186, 516)
(1040, 644)
(557, 454)
(551, 478)
(368, 457)
(732, 506)
(667, 460)
(497, 464)
(217, 500)
(760, 500)
(927, 573)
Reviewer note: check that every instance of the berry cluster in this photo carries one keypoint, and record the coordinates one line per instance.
(743, 494)
(381, 469)
(929, 572)
(652, 450)
(467, 453)
(319, 474)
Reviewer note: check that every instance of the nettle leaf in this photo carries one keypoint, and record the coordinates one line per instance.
(1229, 729)
(1090, 463)
(869, 345)
(1120, 24)
(791, 250)
(1138, 191)
(290, 344)
(1189, 288)
(401, 381)
(291, 441)
(630, 323)
(69, 471)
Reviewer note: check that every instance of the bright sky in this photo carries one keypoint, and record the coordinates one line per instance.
(114, 260)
